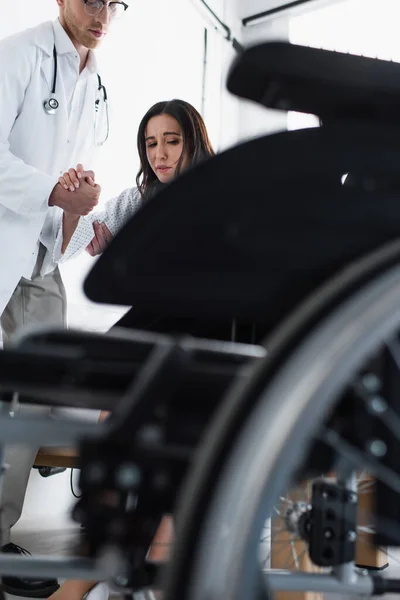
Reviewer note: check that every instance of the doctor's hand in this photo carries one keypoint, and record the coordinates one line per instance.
(102, 238)
(70, 179)
(80, 203)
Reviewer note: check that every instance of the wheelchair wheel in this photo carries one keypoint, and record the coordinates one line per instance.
(296, 419)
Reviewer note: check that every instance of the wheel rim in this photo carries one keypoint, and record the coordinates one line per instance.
(225, 561)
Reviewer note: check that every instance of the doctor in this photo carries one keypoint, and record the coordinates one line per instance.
(53, 116)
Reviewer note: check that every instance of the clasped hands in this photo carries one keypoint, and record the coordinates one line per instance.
(79, 195)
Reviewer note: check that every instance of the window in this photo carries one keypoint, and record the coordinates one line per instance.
(363, 27)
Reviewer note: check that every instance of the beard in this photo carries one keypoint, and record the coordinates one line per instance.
(77, 31)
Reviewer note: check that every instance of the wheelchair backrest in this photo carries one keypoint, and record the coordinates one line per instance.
(331, 85)
(251, 232)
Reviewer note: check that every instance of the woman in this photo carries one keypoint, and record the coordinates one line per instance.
(172, 136)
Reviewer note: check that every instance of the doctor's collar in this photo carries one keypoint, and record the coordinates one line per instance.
(64, 45)
(91, 63)
(62, 40)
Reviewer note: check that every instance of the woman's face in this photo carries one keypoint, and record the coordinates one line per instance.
(164, 146)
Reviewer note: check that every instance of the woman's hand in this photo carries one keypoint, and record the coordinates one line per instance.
(70, 179)
(102, 238)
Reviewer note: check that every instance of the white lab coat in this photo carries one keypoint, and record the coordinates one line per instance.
(33, 150)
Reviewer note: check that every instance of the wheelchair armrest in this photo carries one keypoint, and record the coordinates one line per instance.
(63, 378)
(91, 370)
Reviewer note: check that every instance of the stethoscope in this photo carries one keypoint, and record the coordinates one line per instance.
(52, 104)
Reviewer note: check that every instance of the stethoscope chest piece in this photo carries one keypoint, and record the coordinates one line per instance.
(51, 105)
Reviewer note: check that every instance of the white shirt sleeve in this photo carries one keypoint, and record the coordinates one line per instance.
(116, 213)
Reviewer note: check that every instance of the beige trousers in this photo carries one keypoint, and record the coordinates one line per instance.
(39, 300)
(36, 301)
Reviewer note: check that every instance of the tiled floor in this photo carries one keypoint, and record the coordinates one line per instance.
(48, 543)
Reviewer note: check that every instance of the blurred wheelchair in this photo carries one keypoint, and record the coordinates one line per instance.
(264, 439)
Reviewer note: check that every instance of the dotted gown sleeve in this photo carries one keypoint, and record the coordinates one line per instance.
(116, 213)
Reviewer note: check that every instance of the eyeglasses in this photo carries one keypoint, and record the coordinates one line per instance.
(94, 7)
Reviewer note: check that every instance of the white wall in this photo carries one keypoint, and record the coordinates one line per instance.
(23, 14)
(228, 110)
(241, 120)
(48, 503)
(255, 120)
(247, 8)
